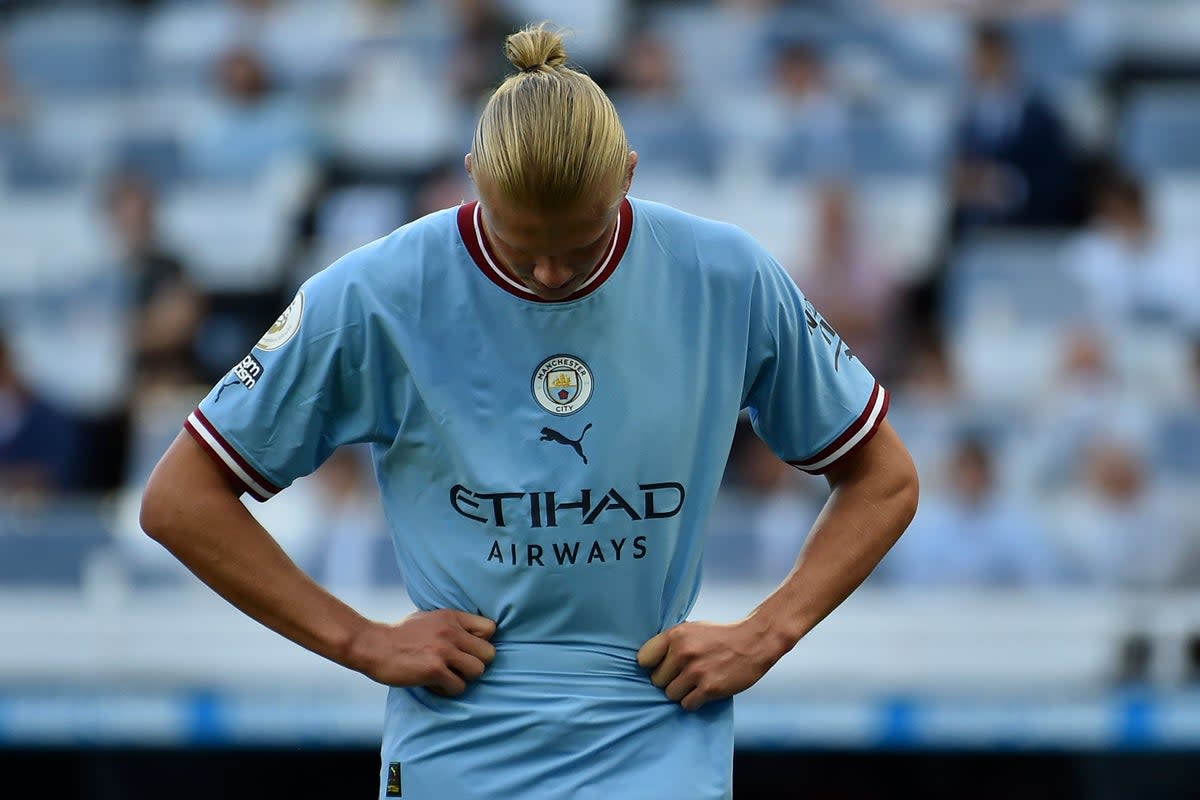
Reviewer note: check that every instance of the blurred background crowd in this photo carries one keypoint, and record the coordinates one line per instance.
(996, 204)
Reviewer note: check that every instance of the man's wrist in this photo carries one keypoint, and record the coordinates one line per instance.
(777, 631)
(356, 651)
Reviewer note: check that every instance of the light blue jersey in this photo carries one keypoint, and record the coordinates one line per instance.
(549, 465)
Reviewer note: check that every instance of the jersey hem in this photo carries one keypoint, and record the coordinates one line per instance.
(855, 436)
(231, 462)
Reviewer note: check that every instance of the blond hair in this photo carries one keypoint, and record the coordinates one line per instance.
(549, 137)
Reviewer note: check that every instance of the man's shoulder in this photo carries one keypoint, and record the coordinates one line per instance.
(709, 242)
(393, 264)
(432, 236)
(684, 223)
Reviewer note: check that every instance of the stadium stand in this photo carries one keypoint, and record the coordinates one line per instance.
(279, 135)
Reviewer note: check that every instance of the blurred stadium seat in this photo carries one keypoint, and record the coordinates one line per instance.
(235, 234)
(74, 51)
(906, 213)
(1013, 276)
(1009, 300)
(384, 571)
(372, 125)
(52, 238)
(1162, 32)
(597, 26)
(49, 547)
(1160, 129)
(97, 608)
(80, 134)
(1175, 199)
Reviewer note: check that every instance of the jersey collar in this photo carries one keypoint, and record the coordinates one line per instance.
(471, 229)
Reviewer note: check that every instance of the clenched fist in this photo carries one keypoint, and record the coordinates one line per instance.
(696, 662)
(440, 650)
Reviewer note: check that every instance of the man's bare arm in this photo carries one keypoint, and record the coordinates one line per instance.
(874, 499)
(191, 508)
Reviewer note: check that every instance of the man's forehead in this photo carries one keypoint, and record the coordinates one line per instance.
(516, 220)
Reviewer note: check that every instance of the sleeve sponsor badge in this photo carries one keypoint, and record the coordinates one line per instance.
(285, 327)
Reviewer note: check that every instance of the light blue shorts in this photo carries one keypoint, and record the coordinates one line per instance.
(556, 723)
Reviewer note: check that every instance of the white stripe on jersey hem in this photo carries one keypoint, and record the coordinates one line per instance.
(228, 459)
(483, 248)
(867, 426)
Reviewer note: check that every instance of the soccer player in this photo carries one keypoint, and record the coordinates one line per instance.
(549, 381)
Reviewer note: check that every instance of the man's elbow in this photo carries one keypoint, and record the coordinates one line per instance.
(911, 492)
(157, 510)
(905, 492)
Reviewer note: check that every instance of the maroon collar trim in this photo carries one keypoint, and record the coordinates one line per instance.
(471, 229)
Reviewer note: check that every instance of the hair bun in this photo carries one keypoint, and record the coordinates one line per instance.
(535, 47)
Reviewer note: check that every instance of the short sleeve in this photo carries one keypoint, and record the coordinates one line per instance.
(303, 390)
(808, 396)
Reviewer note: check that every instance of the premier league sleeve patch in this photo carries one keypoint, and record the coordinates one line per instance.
(285, 327)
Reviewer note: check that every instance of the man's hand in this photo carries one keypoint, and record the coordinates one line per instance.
(440, 650)
(701, 661)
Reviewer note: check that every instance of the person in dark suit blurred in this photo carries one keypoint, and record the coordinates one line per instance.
(166, 308)
(39, 443)
(1014, 164)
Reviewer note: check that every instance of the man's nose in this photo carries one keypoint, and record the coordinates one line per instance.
(552, 274)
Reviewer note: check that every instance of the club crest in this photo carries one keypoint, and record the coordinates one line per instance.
(562, 384)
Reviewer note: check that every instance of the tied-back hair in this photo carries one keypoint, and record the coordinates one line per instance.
(549, 137)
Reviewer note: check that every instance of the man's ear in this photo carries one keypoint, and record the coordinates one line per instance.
(629, 170)
(467, 165)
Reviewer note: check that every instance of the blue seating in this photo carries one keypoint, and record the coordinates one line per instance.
(1160, 130)
(1177, 445)
(156, 156)
(385, 571)
(670, 135)
(1022, 272)
(24, 164)
(74, 51)
(49, 546)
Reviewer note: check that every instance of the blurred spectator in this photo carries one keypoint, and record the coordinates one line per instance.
(1086, 393)
(478, 62)
(305, 45)
(810, 134)
(727, 48)
(847, 280)
(445, 187)
(399, 71)
(166, 309)
(927, 403)
(1128, 269)
(39, 444)
(1014, 164)
(253, 126)
(774, 505)
(1177, 434)
(973, 533)
(350, 525)
(330, 524)
(667, 129)
(14, 120)
(1117, 525)
(13, 106)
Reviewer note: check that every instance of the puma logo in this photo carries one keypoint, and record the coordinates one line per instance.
(551, 435)
(221, 389)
